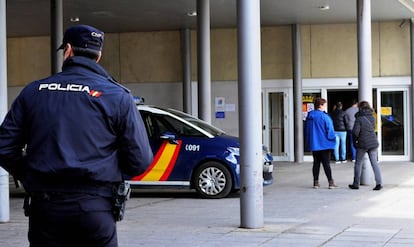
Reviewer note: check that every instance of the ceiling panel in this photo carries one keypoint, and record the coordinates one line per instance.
(32, 17)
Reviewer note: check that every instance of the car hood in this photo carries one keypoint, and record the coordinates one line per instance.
(228, 140)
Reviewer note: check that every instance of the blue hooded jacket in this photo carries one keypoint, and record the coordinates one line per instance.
(319, 131)
(79, 130)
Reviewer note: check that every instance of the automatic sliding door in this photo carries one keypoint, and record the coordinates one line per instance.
(307, 105)
(277, 123)
(392, 123)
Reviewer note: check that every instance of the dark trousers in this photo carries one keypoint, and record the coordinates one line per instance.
(324, 157)
(71, 220)
(351, 144)
(372, 155)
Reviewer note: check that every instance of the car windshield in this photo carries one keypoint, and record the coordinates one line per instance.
(203, 125)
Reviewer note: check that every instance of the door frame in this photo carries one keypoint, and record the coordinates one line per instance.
(406, 112)
(288, 119)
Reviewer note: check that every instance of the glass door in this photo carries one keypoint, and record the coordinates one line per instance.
(392, 122)
(277, 127)
(307, 105)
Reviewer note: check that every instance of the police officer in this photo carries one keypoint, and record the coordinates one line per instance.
(69, 139)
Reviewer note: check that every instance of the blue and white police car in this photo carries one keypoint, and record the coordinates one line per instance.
(189, 152)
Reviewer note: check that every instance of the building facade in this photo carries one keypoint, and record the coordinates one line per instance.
(150, 64)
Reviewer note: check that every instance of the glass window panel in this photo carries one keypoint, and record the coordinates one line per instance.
(392, 123)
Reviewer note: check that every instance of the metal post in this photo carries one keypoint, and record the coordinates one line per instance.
(297, 91)
(249, 90)
(203, 60)
(4, 176)
(365, 70)
(186, 56)
(56, 35)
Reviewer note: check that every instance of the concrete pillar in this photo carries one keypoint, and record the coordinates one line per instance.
(412, 85)
(297, 92)
(56, 35)
(186, 56)
(365, 69)
(4, 176)
(203, 60)
(250, 112)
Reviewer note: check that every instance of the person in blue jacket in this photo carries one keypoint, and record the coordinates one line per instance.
(320, 139)
(69, 139)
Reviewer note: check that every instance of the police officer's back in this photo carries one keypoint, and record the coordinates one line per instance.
(80, 132)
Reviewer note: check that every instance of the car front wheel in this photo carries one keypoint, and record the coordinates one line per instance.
(212, 180)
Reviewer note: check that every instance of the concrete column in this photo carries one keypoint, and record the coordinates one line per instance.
(364, 50)
(297, 92)
(250, 112)
(412, 86)
(365, 70)
(56, 35)
(4, 176)
(203, 60)
(186, 57)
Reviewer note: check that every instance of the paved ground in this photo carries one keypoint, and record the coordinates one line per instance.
(295, 214)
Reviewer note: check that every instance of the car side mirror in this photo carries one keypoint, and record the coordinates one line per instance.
(169, 136)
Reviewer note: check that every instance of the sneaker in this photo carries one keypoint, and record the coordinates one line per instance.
(353, 187)
(377, 187)
(344, 161)
(353, 161)
(337, 162)
(332, 185)
(316, 184)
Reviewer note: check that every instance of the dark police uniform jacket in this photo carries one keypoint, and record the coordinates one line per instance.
(79, 129)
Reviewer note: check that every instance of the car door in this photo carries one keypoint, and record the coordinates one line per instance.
(176, 148)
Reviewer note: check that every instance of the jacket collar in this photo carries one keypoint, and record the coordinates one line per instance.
(87, 63)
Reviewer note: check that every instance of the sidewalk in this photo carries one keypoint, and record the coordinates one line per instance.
(295, 214)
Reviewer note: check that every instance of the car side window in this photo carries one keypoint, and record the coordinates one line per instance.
(158, 124)
(180, 128)
(149, 126)
(161, 127)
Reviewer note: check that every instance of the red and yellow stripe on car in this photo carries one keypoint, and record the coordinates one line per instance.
(163, 163)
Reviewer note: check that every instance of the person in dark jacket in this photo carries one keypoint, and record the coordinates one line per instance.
(69, 139)
(365, 141)
(320, 139)
(339, 122)
(350, 120)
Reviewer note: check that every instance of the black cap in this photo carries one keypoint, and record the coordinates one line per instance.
(83, 36)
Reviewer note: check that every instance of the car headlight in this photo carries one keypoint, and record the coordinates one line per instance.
(232, 153)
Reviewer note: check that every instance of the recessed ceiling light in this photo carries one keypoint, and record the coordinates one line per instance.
(324, 7)
(74, 19)
(193, 13)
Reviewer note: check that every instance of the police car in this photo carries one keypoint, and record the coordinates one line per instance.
(189, 152)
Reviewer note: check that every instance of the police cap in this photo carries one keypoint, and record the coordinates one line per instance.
(84, 37)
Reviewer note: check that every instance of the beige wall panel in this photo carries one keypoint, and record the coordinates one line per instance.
(394, 49)
(306, 51)
(223, 54)
(327, 51)
(110, 55)
(150, 56)
(28, 59)
(333, 50)
(375, 49)
(223, 49)
(276, 45)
